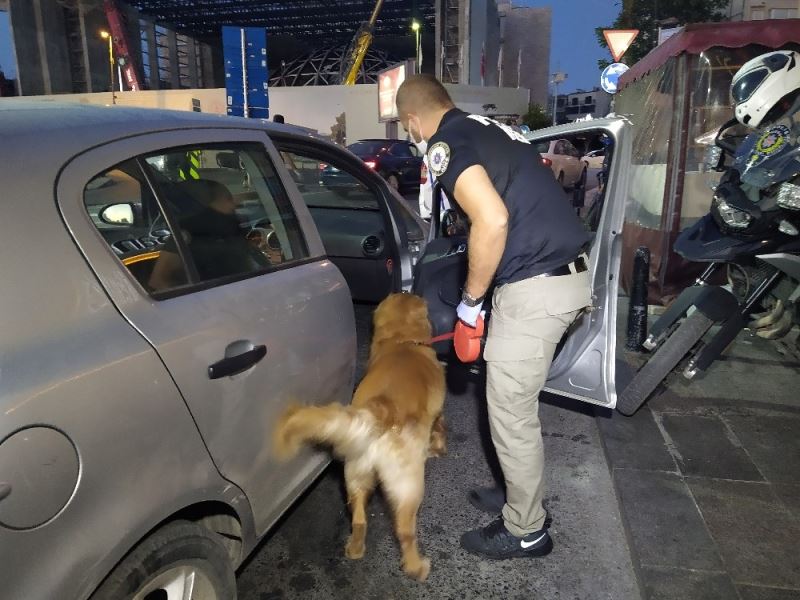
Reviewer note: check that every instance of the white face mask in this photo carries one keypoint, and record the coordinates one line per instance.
(421, 145)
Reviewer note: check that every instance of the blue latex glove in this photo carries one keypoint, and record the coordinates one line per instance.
(469, 314)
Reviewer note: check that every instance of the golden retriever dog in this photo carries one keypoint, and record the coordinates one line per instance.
(393, 424)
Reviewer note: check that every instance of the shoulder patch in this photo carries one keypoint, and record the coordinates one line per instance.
(438, 158)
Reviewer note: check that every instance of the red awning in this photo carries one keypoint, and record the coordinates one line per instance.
(699, 37)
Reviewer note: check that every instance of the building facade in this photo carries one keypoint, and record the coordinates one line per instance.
(525, 60)
(491, 43)
(58, 49)
(758, 10)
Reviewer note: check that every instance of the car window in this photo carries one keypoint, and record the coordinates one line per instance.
(330, 185)
(372, 147)
(543, 147)
(559, 149)
(122, 206)
(226, 203)
(401, 150)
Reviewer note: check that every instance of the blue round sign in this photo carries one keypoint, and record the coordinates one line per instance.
(610, 77)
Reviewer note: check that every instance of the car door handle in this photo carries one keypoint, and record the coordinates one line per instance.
(232, 365)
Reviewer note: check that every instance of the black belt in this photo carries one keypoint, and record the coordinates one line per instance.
(579, 264)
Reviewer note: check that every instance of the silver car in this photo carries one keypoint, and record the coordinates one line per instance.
(172, 281)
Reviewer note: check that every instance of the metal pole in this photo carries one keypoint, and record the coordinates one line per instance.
(246, 108)
(555, 101)
(637, 311)
(419, 56)
(111, 69)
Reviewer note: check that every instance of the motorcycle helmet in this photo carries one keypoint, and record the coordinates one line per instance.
(765, 87)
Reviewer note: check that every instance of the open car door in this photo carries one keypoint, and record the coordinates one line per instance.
(585, 364)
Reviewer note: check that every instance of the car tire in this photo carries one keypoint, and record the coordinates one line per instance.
(561, 179)
(393, 182)
(180, 554)
(662, 362)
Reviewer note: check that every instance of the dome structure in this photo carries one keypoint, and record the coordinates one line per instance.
(322, 67)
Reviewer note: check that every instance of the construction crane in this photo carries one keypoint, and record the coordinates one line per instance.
(119, 34)
(357, 50)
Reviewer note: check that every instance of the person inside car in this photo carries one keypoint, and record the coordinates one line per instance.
(213, 235)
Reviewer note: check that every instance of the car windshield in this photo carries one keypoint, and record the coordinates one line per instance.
(543, 147)
(368, 147)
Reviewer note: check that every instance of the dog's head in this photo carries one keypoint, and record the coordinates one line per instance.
(401, 318)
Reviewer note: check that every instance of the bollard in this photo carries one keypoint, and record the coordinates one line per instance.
(637, 311)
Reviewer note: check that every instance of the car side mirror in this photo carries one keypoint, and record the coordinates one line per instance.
(228, 160)
(453, 224)
(117, 214)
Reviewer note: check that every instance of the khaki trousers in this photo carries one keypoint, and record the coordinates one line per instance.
(528, 320)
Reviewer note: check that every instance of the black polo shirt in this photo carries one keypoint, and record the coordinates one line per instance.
(544, 232)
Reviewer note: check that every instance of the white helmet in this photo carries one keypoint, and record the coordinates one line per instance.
(762, 83)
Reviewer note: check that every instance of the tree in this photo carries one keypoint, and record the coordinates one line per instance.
(648, 15)
(536, 118)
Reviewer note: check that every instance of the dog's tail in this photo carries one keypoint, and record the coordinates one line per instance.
(348, 430)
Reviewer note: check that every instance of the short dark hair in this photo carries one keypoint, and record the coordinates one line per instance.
(422, 92)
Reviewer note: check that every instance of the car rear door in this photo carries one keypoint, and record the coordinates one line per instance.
(584, 368)
(228, 283)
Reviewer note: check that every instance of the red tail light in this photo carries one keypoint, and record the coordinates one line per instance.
(371, 163)
(423, 175)
(322, 166)
(547, 162)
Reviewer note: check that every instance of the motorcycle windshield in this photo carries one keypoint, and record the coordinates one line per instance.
(767, 157)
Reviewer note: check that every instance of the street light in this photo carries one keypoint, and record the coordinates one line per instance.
(107, 36)
(415, 27)
(557, 78)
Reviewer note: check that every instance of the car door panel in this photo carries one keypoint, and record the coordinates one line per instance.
(302, 314)
(585, 367)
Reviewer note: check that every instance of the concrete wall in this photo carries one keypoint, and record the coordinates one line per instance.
(312, 107)
(211, 101)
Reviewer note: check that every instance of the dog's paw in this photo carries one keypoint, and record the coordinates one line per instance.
(354, 549)
(420, 570)
(437, 451)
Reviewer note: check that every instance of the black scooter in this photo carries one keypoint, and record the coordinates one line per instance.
(753, 229)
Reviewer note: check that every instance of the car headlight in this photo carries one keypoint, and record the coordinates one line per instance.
(789, 196)
(732, 217)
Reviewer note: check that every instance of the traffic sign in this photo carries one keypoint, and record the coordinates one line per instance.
(609, 80)
(619, 40)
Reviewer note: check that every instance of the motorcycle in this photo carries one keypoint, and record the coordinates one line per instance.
(753, 230)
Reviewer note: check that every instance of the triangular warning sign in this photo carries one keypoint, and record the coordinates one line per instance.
(619, 40)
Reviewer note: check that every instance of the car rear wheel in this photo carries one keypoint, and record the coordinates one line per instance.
(561, 179)
(393, 182)
(181, 561)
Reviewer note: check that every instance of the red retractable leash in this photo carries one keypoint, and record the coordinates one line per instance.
(466, 339)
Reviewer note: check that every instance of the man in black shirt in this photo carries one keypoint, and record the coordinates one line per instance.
(527, 241)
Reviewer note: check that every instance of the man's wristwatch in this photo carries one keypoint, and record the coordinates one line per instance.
(469, 300)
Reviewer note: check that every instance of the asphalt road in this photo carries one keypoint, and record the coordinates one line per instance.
(304, 556)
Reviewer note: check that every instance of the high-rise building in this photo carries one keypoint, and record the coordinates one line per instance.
(491, 43)
(525, 60)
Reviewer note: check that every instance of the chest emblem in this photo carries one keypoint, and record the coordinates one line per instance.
(438, 158)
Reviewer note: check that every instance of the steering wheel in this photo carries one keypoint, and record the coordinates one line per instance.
(263, 237)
